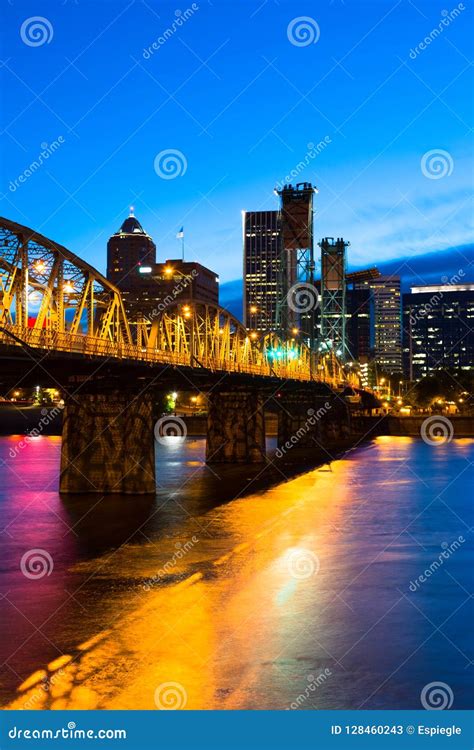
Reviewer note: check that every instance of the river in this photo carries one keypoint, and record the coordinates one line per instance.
(326, 590)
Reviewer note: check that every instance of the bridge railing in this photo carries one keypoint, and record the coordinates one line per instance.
(92, 346)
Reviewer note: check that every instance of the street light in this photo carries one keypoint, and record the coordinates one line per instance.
(39, 266)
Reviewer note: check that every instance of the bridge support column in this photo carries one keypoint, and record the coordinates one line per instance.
(307, 422)
(299, 421)
(235, 427)
(108, 444)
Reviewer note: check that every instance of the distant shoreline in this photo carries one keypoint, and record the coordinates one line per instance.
(21, 420)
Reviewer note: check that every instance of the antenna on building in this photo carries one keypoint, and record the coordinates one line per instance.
(132, 210)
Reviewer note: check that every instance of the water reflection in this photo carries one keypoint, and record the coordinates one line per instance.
(243, 602)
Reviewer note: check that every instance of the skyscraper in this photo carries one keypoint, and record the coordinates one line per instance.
(358, 315)
(438, 329)
(387, 331)
(263, 246)
(148, 287)
(127, 249)
(278, 264)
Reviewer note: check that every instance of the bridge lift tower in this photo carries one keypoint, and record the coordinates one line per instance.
(297, 294)
(333, 297)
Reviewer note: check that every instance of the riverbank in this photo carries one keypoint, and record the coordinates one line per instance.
(457, 426)
(21, 420)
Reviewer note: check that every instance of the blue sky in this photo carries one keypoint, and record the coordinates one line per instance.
(240, 96)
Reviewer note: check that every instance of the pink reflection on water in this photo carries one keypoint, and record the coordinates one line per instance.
(33, 518)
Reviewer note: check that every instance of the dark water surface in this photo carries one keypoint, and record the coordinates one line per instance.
(298, 595)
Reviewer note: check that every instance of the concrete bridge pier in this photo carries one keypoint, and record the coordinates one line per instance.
(108, 444)
(299, 421)
(235, 427)
(307, 421)
(336, 424)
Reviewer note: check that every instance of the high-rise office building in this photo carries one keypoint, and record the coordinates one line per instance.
(128, 249)
(358, 315)
(438, 329)
(148, 287)
(387, 323)
(263, 247)
(278, 265)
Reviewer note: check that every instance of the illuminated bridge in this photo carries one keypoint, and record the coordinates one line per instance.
(64, 323)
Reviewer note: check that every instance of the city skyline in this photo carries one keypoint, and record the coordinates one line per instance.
(392, 180)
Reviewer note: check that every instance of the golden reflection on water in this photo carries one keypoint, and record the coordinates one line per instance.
(231, 623)
(238, 607)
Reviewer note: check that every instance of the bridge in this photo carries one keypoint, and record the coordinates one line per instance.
(64, 323)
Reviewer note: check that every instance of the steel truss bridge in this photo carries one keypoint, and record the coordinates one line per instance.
(52, 300)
